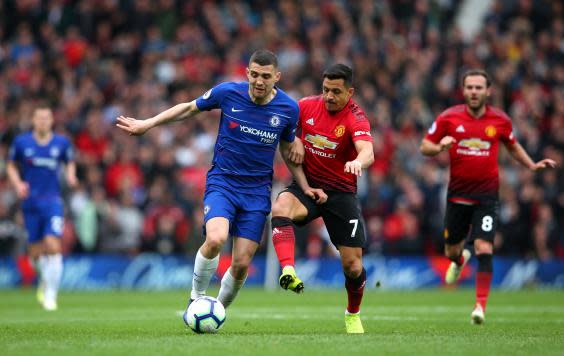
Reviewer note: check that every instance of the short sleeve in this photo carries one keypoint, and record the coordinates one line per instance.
(361, 130)
(68, 153)
(437, 130)
(506, 135)
(15, 152)
(289, 133)
(212, 98)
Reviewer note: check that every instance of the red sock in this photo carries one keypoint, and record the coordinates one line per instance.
(483, 282)
(460, 260)
(355, 291)
(283, 240)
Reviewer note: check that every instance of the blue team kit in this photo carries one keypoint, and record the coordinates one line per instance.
(239, 181)
(43, 208)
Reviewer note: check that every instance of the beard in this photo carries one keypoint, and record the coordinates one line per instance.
(475, 105)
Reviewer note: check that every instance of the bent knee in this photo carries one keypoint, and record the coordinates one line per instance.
(352, 268)
(239, 268)
(283, 205)
(483, 247)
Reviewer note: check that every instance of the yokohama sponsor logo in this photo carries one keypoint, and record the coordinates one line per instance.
(259, 133)
(44, 162)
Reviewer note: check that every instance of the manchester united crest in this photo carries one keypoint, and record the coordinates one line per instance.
(490, 131)
(340, 130)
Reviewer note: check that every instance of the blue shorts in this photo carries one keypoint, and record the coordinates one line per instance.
(246, 212)
(43, 218)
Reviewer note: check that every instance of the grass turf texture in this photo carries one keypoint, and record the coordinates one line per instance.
(281, 323)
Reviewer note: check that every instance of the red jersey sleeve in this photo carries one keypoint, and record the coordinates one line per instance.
(506, 133)
(438, 129)
(360, 127)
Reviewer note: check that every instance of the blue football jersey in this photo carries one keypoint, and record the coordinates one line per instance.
(40, 164)
(248, 136)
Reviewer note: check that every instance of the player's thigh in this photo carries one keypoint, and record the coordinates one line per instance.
(251, 216)
(343, 219)
(52, 215)
(33, 223)
(458, 218)
(219, 212)
(484, 222)
(305, 210)
(288, 205)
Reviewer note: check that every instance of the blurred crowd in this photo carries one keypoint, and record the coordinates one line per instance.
(96, 60)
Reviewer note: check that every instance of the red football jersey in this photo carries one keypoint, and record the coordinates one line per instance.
(329, 142)
(473, 158)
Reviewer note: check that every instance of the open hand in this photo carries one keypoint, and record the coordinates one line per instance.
(132, 126)
(545, 163)
(354, 167)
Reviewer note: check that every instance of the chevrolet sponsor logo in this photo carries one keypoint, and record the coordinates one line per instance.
(319, 141)
(475, 144)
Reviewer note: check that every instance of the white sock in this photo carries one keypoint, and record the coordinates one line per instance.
(41, 268)
(52, 275)
(204, 270)
(229, 288)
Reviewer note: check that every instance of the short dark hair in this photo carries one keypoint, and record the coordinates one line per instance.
(264, 57)
(339, 71)
(41, 104)
(473, 72)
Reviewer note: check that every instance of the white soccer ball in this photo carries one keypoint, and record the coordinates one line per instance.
(205, 315)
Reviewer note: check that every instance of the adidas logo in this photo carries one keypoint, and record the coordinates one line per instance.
(276, 231)
(460, 128)
(310, 121)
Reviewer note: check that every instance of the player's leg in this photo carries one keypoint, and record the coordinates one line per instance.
(52, 213)
(52, 270)
(291, 205)
(483, 231)
(37, 256)
(355, 280)
(344, 223)
(247, 229)
(235, 277)
(218, 212)
(457, 223)
(207, 257)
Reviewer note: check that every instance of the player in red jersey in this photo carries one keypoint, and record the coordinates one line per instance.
(471, 134)
(337, 145)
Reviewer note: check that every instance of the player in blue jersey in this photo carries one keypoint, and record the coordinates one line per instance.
(256, 116)
(39, 155)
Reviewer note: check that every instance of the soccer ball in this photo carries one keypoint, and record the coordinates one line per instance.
(205, 315)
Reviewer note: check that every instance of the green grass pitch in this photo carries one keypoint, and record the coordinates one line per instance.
(427, 322)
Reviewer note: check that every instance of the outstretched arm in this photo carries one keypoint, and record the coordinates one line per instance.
(429, 148)
(364, 158)
(297, 171)
(520, 155)
(176, 113)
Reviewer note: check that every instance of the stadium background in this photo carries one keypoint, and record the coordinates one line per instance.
(96, 60)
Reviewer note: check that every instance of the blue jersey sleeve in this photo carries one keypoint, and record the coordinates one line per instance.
(212, 98)
(15, 152)
(289, 133)
(68, 154)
